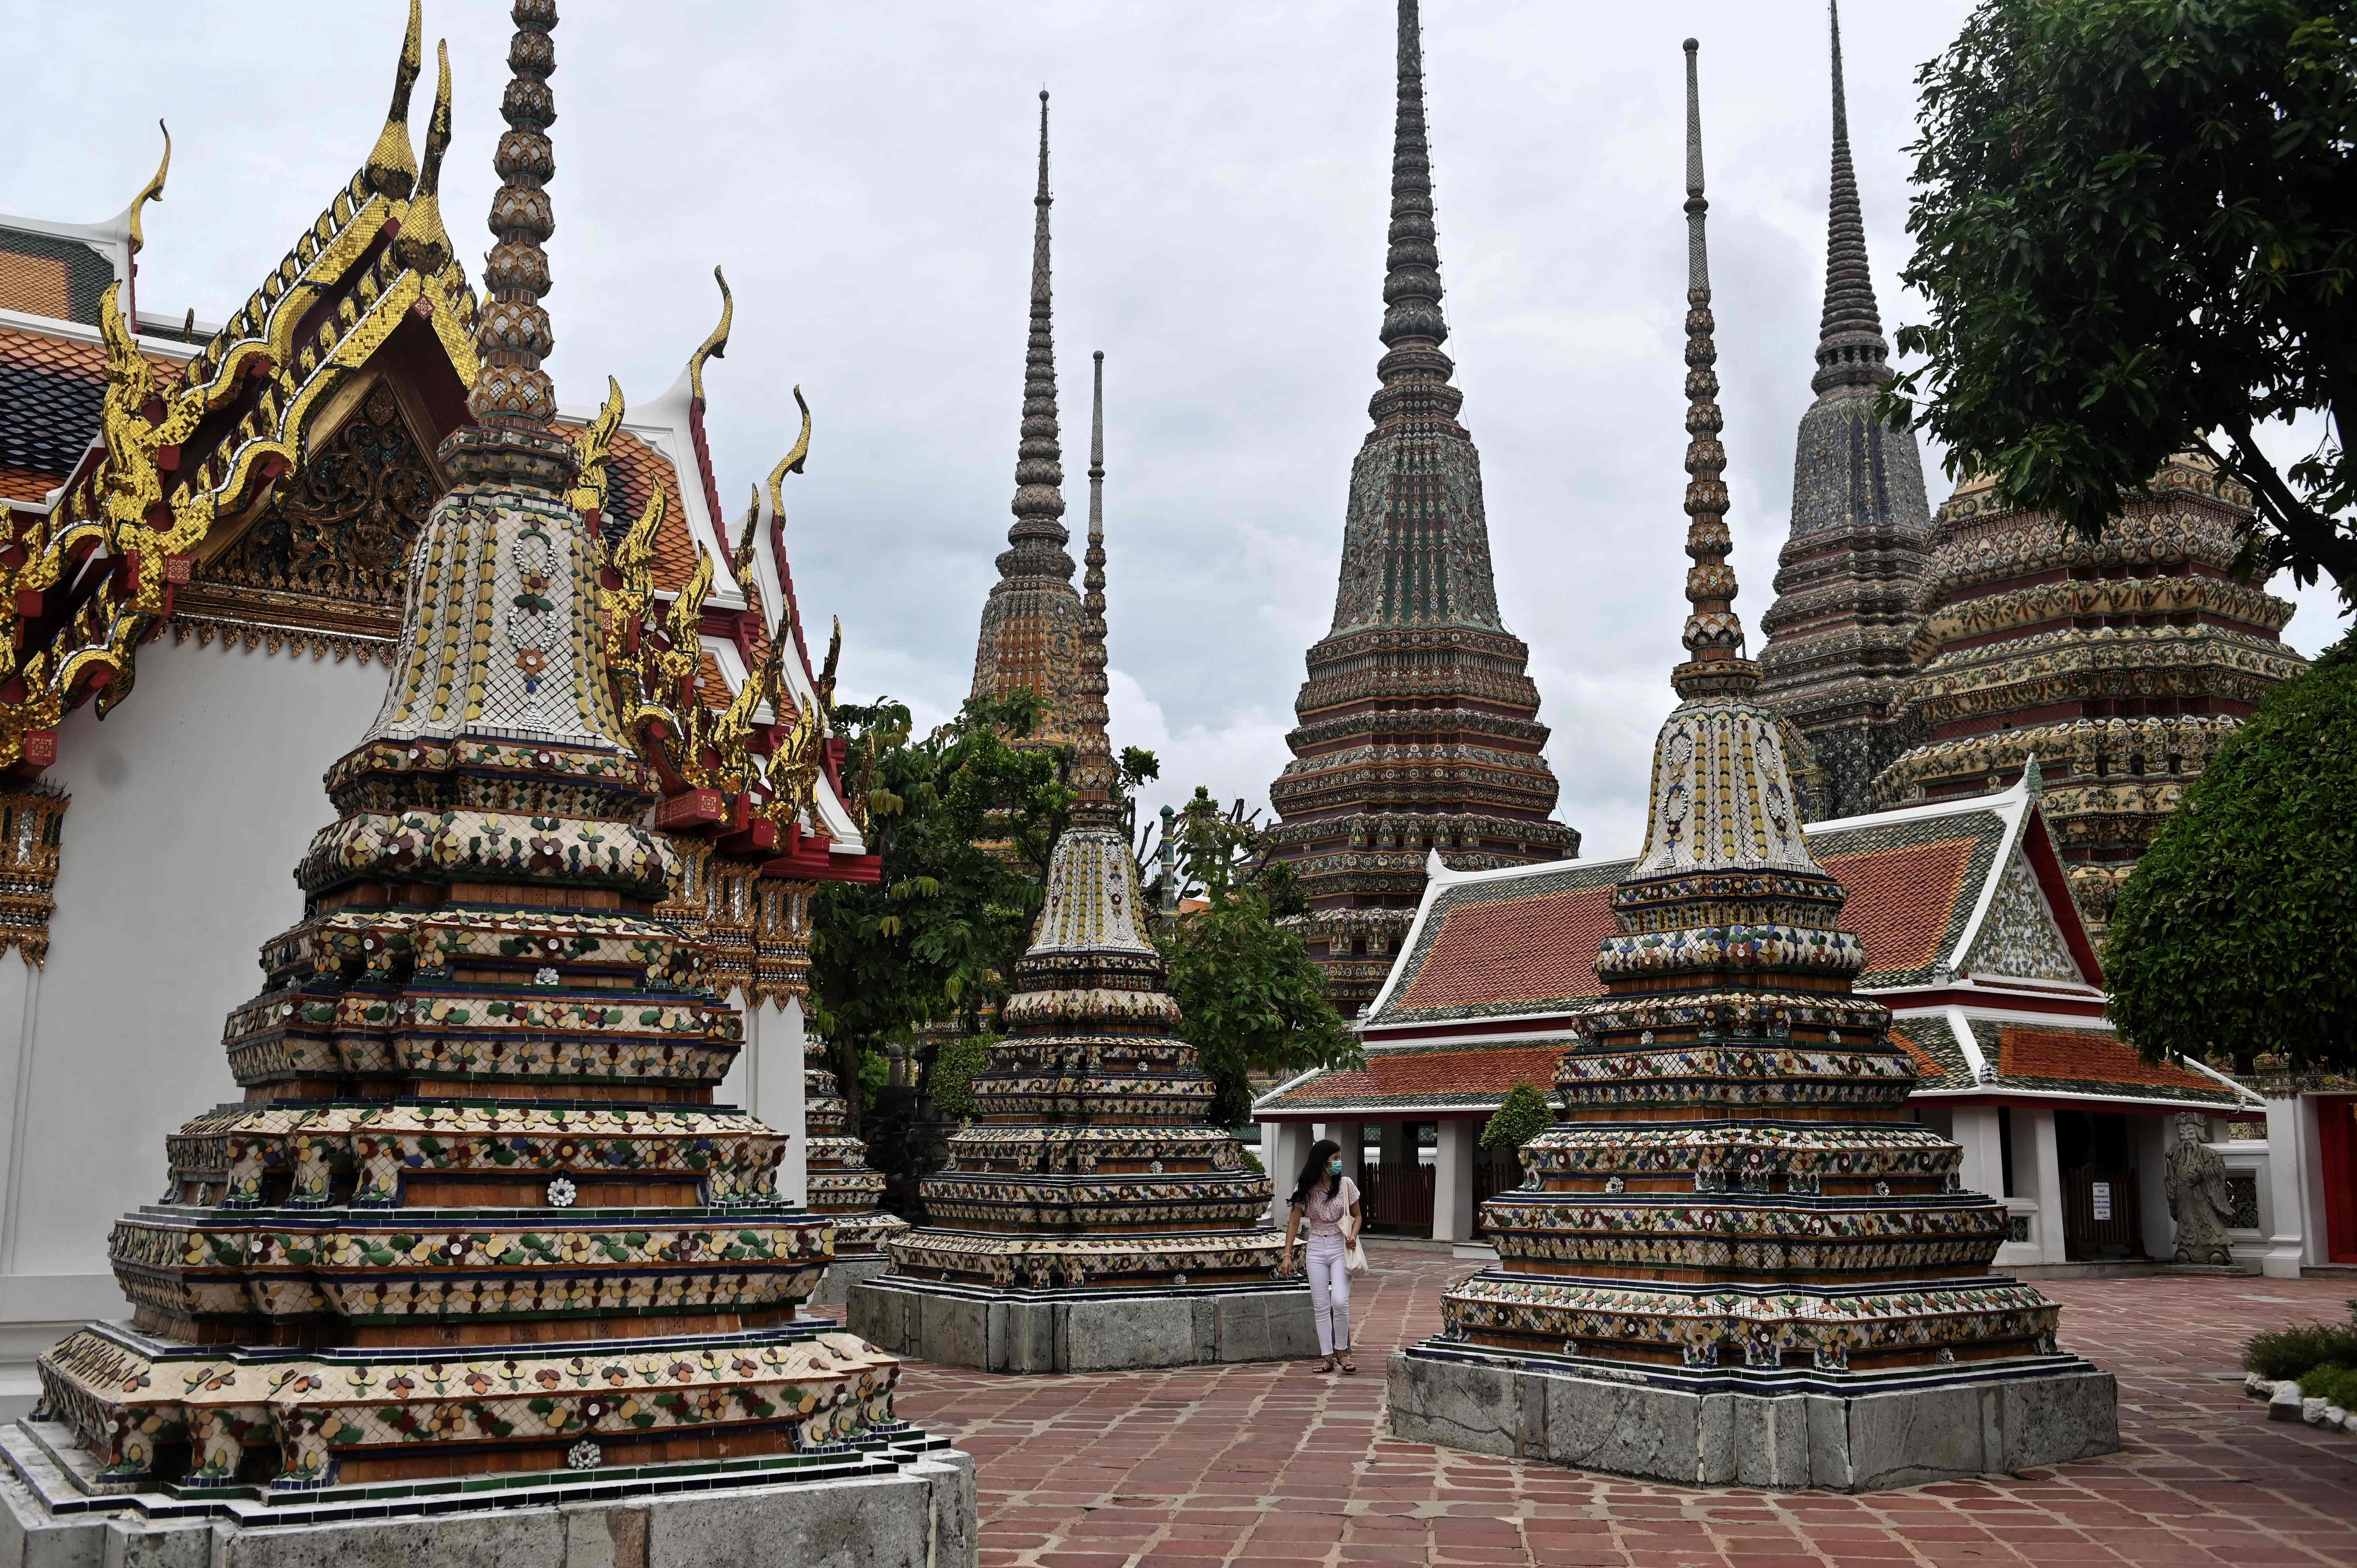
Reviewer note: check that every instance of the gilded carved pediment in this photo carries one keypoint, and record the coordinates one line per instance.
(325, 564)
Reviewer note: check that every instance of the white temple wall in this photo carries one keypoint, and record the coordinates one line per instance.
(191, 804)
(767, 1080)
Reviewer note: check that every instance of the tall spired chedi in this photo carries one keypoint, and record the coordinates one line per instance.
(1738, 1204)
(1836, 660)
(1087, 1218)
(1419, 721)
(477, 1215)
(1031, 623)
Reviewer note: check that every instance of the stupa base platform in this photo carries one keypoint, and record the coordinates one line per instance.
(835, 1287)
(1784, 1429)
(998, 1329)
(904, 1505)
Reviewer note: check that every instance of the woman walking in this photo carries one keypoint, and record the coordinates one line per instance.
(1329, 1200)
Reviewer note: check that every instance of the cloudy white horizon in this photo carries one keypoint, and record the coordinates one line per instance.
(1221, 178)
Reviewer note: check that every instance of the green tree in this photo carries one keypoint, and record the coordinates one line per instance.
(937, 937)
(2233, 934)
(954, 1067)
(2137, 226)
(1250, 998)
(1522, 1115)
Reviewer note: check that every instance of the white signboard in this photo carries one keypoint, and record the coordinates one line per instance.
(2102, 1199)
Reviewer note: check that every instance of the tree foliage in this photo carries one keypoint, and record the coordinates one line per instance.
(955, 1066)
(962, 819)
(2137, 226)
(1250, 997)
(1522, 1115)
(2234, 932)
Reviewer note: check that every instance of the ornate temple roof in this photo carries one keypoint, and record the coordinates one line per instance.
(1964, 908)
(368, 300)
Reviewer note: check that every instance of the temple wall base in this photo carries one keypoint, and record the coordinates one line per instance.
(1849, 1442)
(999, 1331)
(921, 1514)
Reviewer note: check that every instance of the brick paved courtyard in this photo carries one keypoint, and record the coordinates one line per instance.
(1270, 1465)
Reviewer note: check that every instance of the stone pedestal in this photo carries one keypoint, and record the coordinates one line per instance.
(881, 1507)
(834, 1286)
(1785, 1432)
(1073, 1331)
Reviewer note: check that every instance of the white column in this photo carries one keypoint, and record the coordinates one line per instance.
(778, 1093)
(1289, 1142)
(2033, 1145)
(1353, 1136)
(1452, 1182)
(1974, 1128)
(20, 990)
(2291, 1150)
(2149, 1139)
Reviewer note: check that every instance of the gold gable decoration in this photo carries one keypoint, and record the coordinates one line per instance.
(178, 464)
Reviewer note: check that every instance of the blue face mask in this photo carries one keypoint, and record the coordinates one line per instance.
(1334, 1166)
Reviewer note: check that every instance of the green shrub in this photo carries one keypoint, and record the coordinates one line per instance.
(1522, 1115)
(954, 1067)
(1252, 1161)
(2333, 1384)
(2299, 1347)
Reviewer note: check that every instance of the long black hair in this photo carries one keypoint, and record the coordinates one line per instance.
(1321, 1153)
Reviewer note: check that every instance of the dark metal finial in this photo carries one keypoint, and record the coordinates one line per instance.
(1851, 349)
(1038, 462)
(1413, 327)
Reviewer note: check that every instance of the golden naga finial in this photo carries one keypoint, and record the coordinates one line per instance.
(826, 672)
(424, 245)
(595, 442)
(791, 463)
(634, 558)
(131, 485)
(154, 190)
(715, 346)
(740, 561)
(391, 168)
(682, 624)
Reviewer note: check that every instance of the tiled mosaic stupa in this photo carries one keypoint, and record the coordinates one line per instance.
(1031, 623)
(1738, 1204)
(1419, 720)
(2120, 663)
(1087, 1218)
(476, 1220)
(1836, 660)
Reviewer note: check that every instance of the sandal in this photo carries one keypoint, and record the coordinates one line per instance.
(1349, 1368)
(1322, 1367)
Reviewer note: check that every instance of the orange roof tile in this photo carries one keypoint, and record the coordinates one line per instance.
(1518, 949)
(1452, 1076)
(633, 469)
(1899, 899)
(2088, 1055)
(1928, 1068)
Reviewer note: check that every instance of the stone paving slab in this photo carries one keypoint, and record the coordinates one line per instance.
(1268, 1464)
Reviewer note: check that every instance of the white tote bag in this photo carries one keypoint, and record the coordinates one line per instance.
(1355, 1259)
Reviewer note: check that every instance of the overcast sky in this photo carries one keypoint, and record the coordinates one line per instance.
(864, 171)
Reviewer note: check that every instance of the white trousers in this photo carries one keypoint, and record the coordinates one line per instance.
(1329, 1293)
